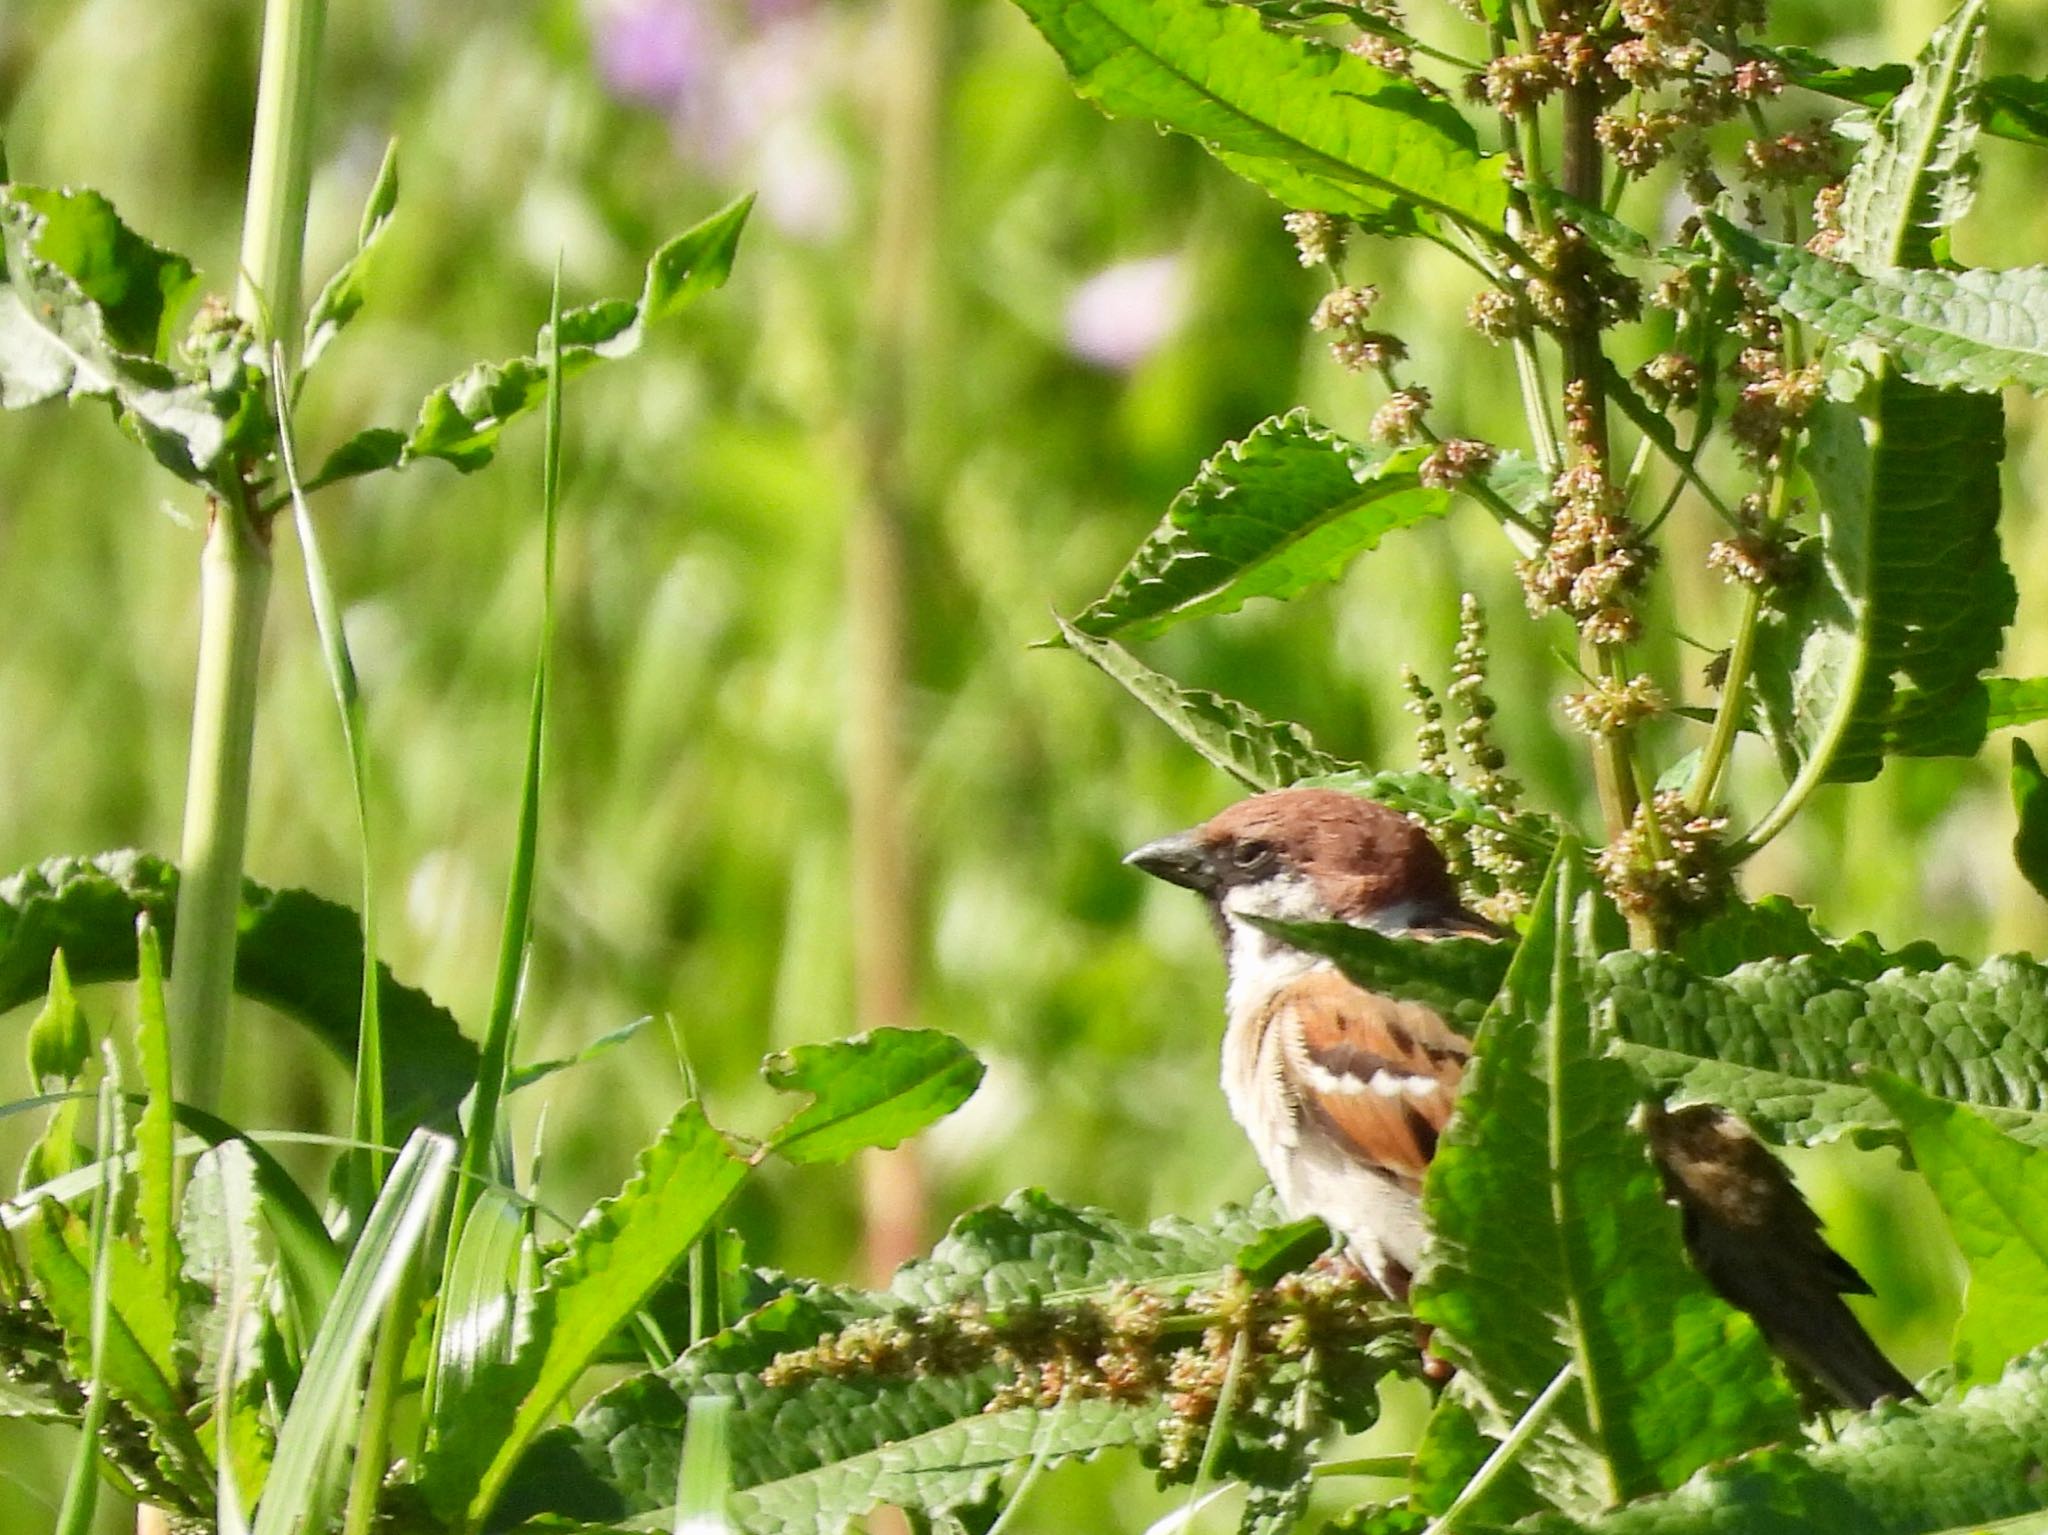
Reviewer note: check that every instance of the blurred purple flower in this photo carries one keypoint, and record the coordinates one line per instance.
(1126, 312)
(655, 52)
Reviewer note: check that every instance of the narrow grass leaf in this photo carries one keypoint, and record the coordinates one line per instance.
(1259, 753)
(704, 1484)
(81, 1485)
(365, 1170)
(156, 1167)
(323, 1409)
(487, 1302)
(874, 1090)
(1994, 1193)
(539, 1071)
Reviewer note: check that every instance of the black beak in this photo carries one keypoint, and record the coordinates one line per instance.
(1179, 860)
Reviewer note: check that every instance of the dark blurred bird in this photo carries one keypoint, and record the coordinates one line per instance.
(1344, 1091)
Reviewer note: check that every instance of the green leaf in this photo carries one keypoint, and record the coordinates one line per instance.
(342, 296)
(1918, 173)
(324, 1408)
(85, 314)
(622, 1250)
(1909, 586)
(1315, 126)
(1784, 1043)
(1254, 750)
(1441, 804)
(156, 1164)
(704, 1485)
(1289, 506)
(1974, 329)
(60, 1040)
(1966, 1464)
(1994, 1192)
(808, 1454)
(2030, 807)
(1456, 976)
(487, 1305)
(138, 1361)
(461, 421)
(875, 1089)
(296, 953)
(1554, 1247)
(603, 1045)
(1955, 722)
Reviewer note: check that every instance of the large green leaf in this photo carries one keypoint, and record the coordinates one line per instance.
(875, 1089)
(1908, 587)
(296, 952)
(461, 421)
(1259, 753)
(1314, 125)
(1972, 329)
(87, 311)
(1918, 173)
(1956, 1467)
(811, 1452)
(1994, 1192)
(1554, 1247)
(2008, 106)
(1955, 722)
(1288, 507)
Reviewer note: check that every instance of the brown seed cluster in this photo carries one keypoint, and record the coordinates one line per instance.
(1134, 1345)
(1593, 562)
(1675, 869)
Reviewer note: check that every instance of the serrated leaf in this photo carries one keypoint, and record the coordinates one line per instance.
(1783, 1043)
(1965, 1464)
(810, 1454)
(295, 952)
(1315, 126)
(1256, 751)
(1909, 587)
(1441, 803)
(1917, 174)
(1270, 516)
(342, 296)
(461, 421)
(875, 1089)
(138, 1362)
(1553, 1245)
(85, 314)
(1994, 1193)
(1975, 329)
(2030, 807)
(620, 1252)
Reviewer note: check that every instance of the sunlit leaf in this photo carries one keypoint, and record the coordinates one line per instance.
(875, 1089)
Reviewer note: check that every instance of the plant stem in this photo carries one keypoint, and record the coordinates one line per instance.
(235, 567)
(1510, 1450)
(234, 591)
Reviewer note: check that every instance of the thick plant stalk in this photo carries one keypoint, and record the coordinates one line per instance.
(235, 568)
(892, 1182)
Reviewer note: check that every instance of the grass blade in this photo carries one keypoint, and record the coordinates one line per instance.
(81, 1489)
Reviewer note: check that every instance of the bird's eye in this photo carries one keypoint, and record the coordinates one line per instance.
(1253, 859)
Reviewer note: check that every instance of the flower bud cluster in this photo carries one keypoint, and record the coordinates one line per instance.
(1678, 869)
(1611, 707)
(1399, 418)
(1498, 316)
(1580, 285)
(1593, 562)
(1342, 316)
(1318, 237)
(1456, 461)
(1774, 402)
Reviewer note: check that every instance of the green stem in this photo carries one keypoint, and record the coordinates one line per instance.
(1510, 1451)
(387, 1377)
(234, 590)
(235, 567)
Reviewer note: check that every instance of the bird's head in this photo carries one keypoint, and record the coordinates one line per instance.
(1309, 855)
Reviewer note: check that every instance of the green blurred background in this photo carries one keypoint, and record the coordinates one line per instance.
(1104, 307)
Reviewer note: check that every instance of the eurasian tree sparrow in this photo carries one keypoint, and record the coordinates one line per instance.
(1344, 1091)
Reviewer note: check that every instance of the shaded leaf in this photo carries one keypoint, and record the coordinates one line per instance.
(875, 1089)
(1955, 722)
(295, 952)
(1994, 1192)
(1256, 751)
(1554, 1247)
(1456, 976)
(2030, 806)
(1315, 126)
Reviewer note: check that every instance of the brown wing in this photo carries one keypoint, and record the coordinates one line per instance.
(1377, 1075)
